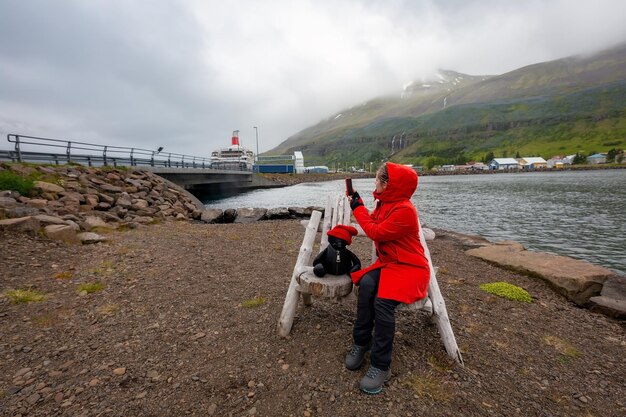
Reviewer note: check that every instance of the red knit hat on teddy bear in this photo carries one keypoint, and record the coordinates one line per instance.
(341, 231)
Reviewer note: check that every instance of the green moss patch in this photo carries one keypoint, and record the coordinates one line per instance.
(253, 302)
(508, 291)
(90, 287)
(25, 296)
(429, 386)
(14, 182)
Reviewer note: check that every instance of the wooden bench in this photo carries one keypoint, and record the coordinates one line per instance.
(304, 283)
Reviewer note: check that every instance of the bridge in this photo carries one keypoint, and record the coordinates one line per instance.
(194, 173)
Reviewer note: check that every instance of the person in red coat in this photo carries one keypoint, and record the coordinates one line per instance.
(400, 274)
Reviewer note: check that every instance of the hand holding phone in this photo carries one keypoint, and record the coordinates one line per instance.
(349, 189)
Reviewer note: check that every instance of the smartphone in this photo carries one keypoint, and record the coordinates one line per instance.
(349, 189)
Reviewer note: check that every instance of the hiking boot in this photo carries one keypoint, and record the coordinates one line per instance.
(354, 358)
(374, 379)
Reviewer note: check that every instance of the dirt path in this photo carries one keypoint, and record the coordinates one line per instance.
(186, 325)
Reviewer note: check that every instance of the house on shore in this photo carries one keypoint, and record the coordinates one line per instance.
(503, 164)
(555, 162)
(531, 163)
(569, 159)
(598, 158)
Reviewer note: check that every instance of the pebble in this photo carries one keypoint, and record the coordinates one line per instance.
(141, 395)
(212, 408)
(58, 397)
(94, 382)
(251, 394)
(21, 372)
(251, 384)
(33, 398)
(13, 390)
(252, 411)
(285, 366)
(119, 371)
(307, 413)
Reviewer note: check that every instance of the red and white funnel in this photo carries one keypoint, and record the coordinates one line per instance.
(235, 138)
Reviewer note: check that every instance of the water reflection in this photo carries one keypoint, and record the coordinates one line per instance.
(579, 214)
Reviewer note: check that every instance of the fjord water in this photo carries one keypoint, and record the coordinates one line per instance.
(581, 214)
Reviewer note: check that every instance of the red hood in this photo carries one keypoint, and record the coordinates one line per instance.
(401, 186)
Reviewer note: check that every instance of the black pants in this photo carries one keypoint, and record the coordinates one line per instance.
(378, 314)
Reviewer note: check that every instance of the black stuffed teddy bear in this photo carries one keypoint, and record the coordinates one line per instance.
(336, 259)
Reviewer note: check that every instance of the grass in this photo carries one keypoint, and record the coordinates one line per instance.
(108, 309)
(63, 275)
(564, 348)
(25, 296)
(429, 386)
(253, 302)
(14, 182)
(90, 287)
(441, 364)
(45, 321)
(508, 291)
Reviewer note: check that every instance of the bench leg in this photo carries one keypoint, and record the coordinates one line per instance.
(293, 295)
(306, 299)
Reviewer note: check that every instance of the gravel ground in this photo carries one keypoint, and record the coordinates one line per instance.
(185, 324)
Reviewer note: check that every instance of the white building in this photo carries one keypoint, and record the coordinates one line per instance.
(503, 163)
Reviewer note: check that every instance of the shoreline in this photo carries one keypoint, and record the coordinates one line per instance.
(293, 179)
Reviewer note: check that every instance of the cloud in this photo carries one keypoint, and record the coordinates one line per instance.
(184, 74)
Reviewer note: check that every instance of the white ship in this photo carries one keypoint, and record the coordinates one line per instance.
(235, 157)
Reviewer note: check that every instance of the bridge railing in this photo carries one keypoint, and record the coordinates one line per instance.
(57, 151)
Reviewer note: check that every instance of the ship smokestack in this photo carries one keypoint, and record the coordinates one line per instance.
(235, 139)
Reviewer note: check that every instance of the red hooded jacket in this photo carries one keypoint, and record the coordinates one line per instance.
(394, 228)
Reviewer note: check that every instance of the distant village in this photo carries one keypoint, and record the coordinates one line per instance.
(533, 163)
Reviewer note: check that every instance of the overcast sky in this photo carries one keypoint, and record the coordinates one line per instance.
(184, 74)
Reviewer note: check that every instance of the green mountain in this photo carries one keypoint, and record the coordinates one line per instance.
(575, 104)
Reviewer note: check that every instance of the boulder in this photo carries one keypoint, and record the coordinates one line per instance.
(103, 206)
(71, 197)
(428, 233)
(111, 188)
(22, 224)
(577, 280)
(139, 204)
(612, 299)
(124, 200)
(229, 215)
(87, 238)
(212, 216)
(37, 203)
(106, 198)
(299, 211)
(609, 307)
(73, 225)
(63, 232)
(21, 211)
(249, 215)
(45, 220)
(91, 222)
(7, 202)
(278, 213)
(46, 187)
(91, 200)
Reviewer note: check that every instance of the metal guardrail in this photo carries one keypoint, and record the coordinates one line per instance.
(101, 155)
